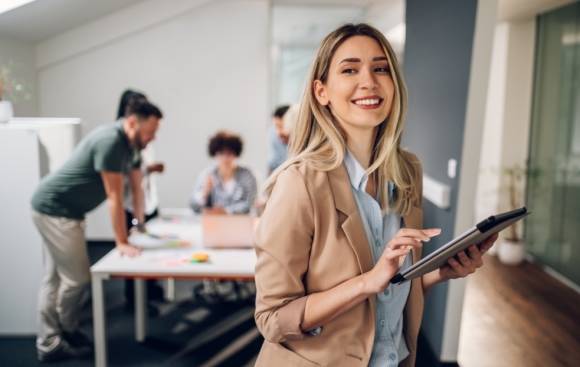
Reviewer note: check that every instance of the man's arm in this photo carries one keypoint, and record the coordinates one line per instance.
(113, 182)
(135, 182)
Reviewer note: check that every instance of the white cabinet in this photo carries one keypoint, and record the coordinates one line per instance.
(29, 148)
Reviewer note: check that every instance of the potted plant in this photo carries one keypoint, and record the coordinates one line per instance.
(511, 248)
(6, 111)
(11, 90)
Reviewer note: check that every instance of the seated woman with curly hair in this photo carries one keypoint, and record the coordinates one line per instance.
(225, 187)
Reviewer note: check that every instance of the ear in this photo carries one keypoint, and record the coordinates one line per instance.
(320, 93)
(132, 121)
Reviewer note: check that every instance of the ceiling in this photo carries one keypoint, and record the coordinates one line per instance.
(301, 25)
(43, 19)
(360, 3)
(509, 10)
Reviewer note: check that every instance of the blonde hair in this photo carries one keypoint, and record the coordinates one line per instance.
(319, 141)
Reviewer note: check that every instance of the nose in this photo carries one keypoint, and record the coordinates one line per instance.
(368, 79)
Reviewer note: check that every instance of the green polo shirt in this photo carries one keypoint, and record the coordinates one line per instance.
(77, 187)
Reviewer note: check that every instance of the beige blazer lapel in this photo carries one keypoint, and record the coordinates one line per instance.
(352, 225)
(414, 220)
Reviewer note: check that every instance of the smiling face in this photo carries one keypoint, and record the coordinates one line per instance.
(359, 88)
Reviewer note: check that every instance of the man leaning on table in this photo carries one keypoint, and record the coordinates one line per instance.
(94, 173)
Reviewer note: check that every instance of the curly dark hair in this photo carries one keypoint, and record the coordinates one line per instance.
(225, 141)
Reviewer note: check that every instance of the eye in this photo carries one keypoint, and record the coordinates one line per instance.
(348, 71)
(382, 69)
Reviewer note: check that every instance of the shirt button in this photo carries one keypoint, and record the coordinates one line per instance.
(382, 323)
(392, 356)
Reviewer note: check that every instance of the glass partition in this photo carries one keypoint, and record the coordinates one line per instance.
(553, 230)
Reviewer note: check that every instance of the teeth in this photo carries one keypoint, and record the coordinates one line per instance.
(367, 102)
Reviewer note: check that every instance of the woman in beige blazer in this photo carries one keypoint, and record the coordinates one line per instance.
(317, 282)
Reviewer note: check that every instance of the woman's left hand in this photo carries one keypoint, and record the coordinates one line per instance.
(467, 261)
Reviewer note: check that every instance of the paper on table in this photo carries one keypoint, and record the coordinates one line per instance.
(146, 241)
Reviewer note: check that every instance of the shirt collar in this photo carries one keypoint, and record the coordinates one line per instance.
(119, 125)
(358, 177)
(356, 173)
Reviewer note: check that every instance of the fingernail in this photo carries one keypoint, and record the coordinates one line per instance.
(432, 232)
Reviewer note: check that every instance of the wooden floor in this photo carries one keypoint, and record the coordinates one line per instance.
(519, 316)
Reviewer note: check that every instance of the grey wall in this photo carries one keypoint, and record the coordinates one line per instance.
(18, 58)
(437, 64)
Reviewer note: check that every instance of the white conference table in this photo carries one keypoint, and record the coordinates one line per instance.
(163, 263)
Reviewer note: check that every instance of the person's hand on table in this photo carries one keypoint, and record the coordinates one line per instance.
(128, 250)
(468, 261)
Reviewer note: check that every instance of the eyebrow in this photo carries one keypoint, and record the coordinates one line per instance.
(355, 59)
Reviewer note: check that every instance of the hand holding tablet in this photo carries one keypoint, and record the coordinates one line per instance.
(482, 233)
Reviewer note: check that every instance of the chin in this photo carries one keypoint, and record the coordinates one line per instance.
(374, 122)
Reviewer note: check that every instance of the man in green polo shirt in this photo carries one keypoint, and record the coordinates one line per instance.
(94, 173)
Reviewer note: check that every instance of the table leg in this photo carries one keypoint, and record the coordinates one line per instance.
(99, 322)
(140, 310)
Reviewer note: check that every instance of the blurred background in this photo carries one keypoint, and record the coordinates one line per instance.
(494, 116)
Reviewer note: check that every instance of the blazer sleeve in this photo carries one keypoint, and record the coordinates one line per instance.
(283, 242)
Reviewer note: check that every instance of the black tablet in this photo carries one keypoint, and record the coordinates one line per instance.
(476, 235)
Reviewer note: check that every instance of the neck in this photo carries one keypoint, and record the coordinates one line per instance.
(360, 144)
(127, 131)
(226, 172)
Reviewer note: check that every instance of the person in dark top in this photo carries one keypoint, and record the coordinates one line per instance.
(94, 173)
(150, 202)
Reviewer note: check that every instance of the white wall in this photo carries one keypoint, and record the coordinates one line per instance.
(491, 147)
(388, 16)
(19, 57)
(206, 68)
(479, 82)
(508, 113)
(518, 99)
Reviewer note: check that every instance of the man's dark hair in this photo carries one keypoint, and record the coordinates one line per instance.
(143, 109)
(127, 97)
(280, 111)
(225, 141)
